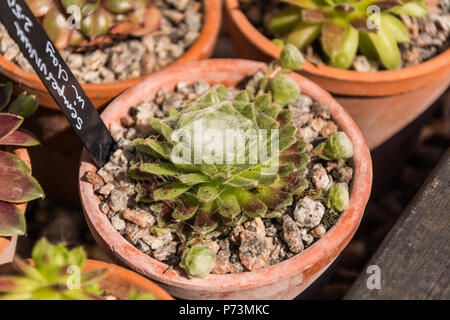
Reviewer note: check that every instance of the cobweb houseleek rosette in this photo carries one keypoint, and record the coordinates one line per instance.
(345, 26)
(16, 183)
(83, 25)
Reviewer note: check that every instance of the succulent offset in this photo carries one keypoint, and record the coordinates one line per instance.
(16, 183)
(344, 26)
(86, 24)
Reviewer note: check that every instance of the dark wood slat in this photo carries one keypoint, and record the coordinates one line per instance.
(414, 258)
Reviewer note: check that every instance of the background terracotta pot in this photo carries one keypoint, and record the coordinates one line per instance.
(381, 103)
(102, 93)
(284, 280)
(8, 244)
(118, 281)
(56, 161)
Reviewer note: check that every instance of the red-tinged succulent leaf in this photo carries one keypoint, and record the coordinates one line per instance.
(55, 24)
(121, 6)
(11, 160)
(17, 285)
(145, 191)
(284, 118)
(205, 220)
(40, 7)
(163, 213)
(5, 94)
(251, 205)
(314, 16)
(235, 221)
(20, 138)
(274, 198)
(308, 4)
(17, 186)
(385, 5)
(8, 124)
(12, 220)
(361, 24)
(228, 204)
(152, 22)
(344, 8)
(333, 36)
(344, 58)
(186, 209)
(170, 191)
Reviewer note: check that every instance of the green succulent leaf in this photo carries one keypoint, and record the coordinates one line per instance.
(343, 59)
(291, 58)
(24, 105)
(197, 261)
(251, 205)
(304, 34)
(193, 178)
(285, 20)
(6, 90)
(228, 204)
(396, 27)
(152, 147)
(337, 197)
(387, 49)
(284, 90)
(412, 9)
(208, 192)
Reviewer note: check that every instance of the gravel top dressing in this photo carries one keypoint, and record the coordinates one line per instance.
(181, 24)
(213, 236)
(430, 34)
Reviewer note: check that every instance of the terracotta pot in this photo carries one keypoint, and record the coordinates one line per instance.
(118, 281)
(100, 94)
(381, 103)
(284, 280)
(61, 148)
(8, 244)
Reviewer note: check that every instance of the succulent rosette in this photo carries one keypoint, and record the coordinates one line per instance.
(86, 24)
(16, 183)
(195, 180)
(345, 26)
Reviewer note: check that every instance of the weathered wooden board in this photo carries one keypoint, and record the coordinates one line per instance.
(414, 259)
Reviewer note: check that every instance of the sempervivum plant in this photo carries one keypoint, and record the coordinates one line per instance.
(196, 180)
(86, 24)
(16, 183)
(344, 26)
(56, 274)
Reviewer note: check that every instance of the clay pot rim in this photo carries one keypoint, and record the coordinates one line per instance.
(125, 275)
(22, 153)
(269, 48)
(211, 27)
(337, 237)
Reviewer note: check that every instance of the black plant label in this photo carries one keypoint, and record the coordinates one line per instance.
(56, 76)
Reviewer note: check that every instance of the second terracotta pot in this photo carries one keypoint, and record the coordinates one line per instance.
(284, 280)
(382, 103)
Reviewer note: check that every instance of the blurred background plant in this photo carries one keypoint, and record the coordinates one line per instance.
(16, 183)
